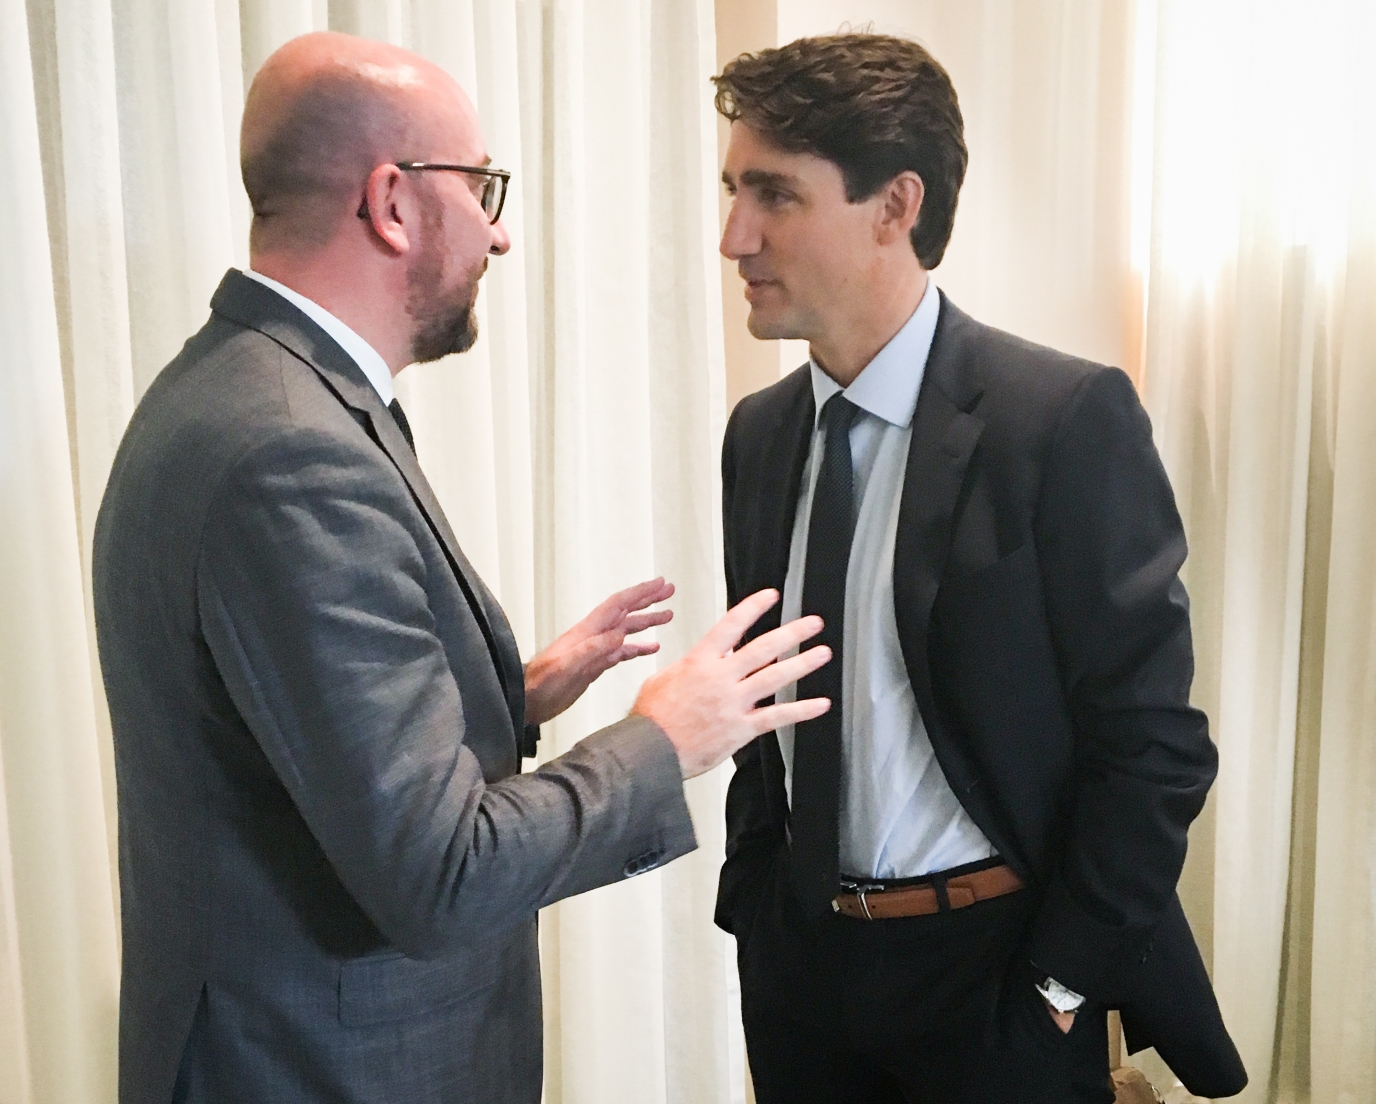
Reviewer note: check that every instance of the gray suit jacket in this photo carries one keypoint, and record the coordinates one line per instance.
(330, 864)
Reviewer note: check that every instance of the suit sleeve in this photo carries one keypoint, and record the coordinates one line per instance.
(750, 836)
(1111, 544)
(313, 603)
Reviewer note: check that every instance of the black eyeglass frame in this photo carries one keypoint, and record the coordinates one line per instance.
(501, 176)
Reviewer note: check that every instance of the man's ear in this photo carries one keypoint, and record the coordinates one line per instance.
(388, 207)
(902, 203)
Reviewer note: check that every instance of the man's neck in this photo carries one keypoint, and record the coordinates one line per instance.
(849, 345)
(335, 285)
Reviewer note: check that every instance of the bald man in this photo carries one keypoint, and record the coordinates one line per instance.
(330, 861)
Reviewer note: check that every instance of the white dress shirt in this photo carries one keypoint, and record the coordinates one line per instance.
(898, 816)
(363, 354)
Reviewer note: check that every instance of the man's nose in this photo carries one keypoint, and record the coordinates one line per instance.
(501, 240)
(740, 237)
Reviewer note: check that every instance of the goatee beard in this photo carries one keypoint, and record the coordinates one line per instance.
(442, 331)
(442, 326)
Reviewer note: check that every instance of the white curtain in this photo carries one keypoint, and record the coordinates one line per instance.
(573, 449)
(1257, 237)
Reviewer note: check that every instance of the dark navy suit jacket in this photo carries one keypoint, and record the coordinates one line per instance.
(1046, 634)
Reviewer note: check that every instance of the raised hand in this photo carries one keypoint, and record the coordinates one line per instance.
(557, 677)
(706, 702)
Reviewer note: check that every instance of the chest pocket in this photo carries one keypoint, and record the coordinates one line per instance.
(984, 533)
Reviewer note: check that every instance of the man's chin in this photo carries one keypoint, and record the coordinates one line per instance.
(769, 327)
(460, 335)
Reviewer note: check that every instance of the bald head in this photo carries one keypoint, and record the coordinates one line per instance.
(321, 113)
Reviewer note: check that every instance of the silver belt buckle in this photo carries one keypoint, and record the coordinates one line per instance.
(861, 890)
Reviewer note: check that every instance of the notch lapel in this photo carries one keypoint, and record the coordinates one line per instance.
(945, 434)
(496, 629)
(258, 307)
(781, 451)
(787, 439)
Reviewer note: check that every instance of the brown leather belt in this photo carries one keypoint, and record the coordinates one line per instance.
(877, 902)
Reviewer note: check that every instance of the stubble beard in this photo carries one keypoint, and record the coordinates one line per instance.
(444, 323)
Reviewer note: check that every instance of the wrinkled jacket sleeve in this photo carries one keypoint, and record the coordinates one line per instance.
(312, 592)
(1111, 544)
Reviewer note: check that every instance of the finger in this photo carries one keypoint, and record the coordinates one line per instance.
(765, 649)
(608, 641)
(769, 717)
(601, 653)
(639, 622)
(634, 651)
(643, 594)
(769, 680)
(726, 633)
(613, 609)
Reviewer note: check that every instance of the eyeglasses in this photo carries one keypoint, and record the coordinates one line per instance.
(494, 184)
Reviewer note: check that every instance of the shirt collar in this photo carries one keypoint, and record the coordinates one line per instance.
(368, 359)
(888, 385)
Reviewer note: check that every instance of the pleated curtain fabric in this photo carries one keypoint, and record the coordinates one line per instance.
(58, 944)
(574, 449)
(1259, 256)
(1209, 158)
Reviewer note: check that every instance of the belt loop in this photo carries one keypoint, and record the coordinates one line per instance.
(943, 900)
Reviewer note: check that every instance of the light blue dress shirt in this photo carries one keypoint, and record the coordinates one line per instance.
(898, 816)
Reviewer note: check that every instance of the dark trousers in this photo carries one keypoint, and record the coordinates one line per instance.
(937, 1009)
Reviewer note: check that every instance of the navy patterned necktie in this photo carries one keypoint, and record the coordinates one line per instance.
(815, 806)
(402, 424)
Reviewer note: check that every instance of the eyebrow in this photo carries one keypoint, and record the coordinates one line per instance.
(756, 178)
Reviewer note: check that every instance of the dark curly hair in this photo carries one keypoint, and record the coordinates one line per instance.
(872, 104)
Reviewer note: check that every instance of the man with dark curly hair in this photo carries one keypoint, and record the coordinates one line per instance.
(939, 890)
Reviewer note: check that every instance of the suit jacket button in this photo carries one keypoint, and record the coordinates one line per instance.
(641, 863)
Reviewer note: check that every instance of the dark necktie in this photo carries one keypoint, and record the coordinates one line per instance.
(402, 424)
(814, 815)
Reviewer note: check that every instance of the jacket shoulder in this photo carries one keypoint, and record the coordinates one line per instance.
(230, 394)
(1023, 387)
(769, 404)
(228, 389)
(998, 360)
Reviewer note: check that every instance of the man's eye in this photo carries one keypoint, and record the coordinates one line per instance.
(771, 197)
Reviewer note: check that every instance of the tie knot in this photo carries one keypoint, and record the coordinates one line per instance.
(839, 413)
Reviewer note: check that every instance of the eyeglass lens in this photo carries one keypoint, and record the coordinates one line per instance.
(492, 196)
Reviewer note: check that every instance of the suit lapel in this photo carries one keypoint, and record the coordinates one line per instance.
(789, 437)
(496, 629)
(254, 305)
(944, 437)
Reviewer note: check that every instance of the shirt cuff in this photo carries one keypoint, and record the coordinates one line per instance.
(1058, 996)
